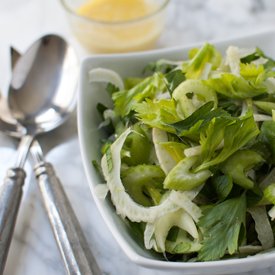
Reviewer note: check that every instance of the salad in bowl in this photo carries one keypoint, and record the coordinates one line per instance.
(188, 153)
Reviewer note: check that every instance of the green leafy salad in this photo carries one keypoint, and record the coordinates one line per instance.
(190, 158)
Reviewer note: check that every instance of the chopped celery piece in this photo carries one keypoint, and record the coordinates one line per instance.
(269, 193)
(178, 218)
(206, 54)
(182, 178)
(155, 194)
(266, 106)
(238, 164)
(183, 244)
(137, 177)
(139, 147)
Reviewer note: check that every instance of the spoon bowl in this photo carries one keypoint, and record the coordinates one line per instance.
(42, 90)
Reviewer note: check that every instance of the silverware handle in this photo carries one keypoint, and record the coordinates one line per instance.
(10, 198)
(70, 238)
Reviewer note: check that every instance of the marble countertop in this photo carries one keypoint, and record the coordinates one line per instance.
(34, 250)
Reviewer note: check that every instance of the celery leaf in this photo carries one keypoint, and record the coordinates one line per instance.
(207, 54)
(235, 87)
(227, 228)
(173, 79)
(213, 136)
(236, 135)
(126, 100)
(158, 114)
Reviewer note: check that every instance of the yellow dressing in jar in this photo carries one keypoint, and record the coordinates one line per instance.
(113, 26)
(116, 10)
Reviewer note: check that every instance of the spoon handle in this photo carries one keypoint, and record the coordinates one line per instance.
(70, 238)
(10, 198)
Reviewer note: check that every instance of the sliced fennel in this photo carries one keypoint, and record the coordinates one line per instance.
(165, 160)
(196, 87)
(183, 244)
(271, 213)
(196, 150)
(233, 59)
(262, 226)
(175, 149)
(106, 75)
(182, 199)
(179, 218)
(238, 164)
(101, 191)
(125, 205)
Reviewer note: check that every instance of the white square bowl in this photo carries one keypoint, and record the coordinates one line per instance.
(90, 94)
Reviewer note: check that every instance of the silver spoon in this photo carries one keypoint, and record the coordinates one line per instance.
(36, 93)
(41, 96)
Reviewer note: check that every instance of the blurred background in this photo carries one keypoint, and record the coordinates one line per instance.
(23, 21)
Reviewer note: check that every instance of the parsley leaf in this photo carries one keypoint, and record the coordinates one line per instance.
(111, 88)
(227, 228)
(218, 187)
(256, 55)
(159, 66)
(174, 79)
(270, 63)
(199, 120)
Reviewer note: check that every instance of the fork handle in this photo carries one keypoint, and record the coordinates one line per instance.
(10, 199)
(70, 238)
